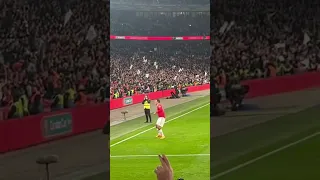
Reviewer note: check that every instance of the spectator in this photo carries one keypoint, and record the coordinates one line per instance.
(164, 171)
(155, 66)
(259, 39)
(149, 66)
(50, 45)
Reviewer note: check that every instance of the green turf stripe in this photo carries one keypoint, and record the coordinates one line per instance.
(148, 128)
(264, 153)
(244, 145)
(129, 128)
(188, 135)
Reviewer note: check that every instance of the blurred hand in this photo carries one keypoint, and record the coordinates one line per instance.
(164, 171)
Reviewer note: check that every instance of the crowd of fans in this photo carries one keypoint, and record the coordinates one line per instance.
(147, 66)
(141, 67)
(256, 39)
(50, 48)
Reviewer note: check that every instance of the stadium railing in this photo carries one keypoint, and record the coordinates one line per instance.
(126, 101)
(282, 84)
(32, 130)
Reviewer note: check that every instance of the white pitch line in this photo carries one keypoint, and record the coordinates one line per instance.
(142, 132)
(143, 126)
(264, 156)
(146, 155)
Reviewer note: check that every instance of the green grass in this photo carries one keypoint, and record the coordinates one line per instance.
(185, 135)
(122, 131)
(296, 162)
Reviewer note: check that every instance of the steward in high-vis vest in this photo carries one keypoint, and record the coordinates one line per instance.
(70, 97)
(146, 107)
(58, 101)
(130, 92)
(116, 95)
(16, 109)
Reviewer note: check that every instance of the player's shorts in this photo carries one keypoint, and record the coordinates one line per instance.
(161, 121)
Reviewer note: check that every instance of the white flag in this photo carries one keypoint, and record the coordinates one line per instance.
(205, 73)
(223, 27)
(147, 75)
(230, 25)
(138, 72)
(270, 15)
(144, 59)
(175, 78)
(180, 69)
(67, 17)
(91, 34)
(306, 38)
(131, 66)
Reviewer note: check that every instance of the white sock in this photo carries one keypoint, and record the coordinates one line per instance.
(160, 132)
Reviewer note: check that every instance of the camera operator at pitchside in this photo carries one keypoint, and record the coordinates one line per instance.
(215, 110)
(235, 92)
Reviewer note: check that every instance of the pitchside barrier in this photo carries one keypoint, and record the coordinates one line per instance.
(282, 84)
(21, 133)
(130, 100)
(32, 130)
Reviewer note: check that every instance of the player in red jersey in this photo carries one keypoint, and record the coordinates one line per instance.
(161, 119)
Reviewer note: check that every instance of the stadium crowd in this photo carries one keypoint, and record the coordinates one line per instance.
(53, 54)
(256, 39)
(147, 66)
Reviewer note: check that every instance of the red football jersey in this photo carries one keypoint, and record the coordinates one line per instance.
(160, 111)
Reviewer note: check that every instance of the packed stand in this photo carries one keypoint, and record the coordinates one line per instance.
(132, 23)
(258, 39)
(53, 55)
(149, 66)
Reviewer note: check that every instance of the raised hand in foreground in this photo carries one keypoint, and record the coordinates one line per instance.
(164, 171)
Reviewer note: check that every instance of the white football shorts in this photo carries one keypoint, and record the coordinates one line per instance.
(161, 121)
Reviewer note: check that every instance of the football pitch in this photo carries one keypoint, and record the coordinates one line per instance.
(134, 146)
(285, 148)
